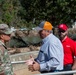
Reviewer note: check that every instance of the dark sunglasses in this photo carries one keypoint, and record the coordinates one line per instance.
(61, 31)
(8, 34)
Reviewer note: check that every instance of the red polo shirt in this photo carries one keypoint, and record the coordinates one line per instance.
(69, 50)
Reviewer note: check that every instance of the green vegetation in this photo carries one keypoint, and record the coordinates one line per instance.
(29, 13)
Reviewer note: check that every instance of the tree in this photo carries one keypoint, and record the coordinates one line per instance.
(29, 13)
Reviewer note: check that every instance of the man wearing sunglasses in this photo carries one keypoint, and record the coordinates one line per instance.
(69, 48)
(5, 63)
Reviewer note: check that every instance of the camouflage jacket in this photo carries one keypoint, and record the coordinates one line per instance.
(5, 63)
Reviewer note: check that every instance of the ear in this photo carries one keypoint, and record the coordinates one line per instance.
(48, 31)
(1, 36)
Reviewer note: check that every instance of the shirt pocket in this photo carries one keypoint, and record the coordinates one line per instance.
(41, 56)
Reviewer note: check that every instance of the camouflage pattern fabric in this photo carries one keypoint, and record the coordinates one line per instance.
(5, 63)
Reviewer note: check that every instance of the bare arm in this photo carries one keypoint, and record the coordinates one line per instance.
(74, 64)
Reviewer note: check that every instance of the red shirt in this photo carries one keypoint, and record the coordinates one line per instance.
(69, 50)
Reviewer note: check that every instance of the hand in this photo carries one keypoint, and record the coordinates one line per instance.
(2, 73)
(30, 67)
(30, 61)
(74, 67)
(74, 64)
(34, 67)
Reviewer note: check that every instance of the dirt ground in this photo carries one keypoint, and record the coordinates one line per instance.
(22, 69)
(25, 71)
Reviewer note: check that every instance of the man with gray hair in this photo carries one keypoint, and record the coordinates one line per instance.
(5, 63)
(50, 57)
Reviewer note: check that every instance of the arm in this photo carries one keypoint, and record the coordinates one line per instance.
(49, 65)
(44, 66)
(74, 64)
(74, 53)
(50, 56)
(54, 57)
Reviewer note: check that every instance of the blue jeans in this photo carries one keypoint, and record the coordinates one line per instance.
(68, 67)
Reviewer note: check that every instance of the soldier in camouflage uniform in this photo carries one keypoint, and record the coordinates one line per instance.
(5, 63)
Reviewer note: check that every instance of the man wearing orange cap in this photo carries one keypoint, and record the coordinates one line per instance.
(50, 57)
(69, 48)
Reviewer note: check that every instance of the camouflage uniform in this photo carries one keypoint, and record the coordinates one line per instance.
(5, 63)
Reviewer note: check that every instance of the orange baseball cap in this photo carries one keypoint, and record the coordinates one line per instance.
(44, 25)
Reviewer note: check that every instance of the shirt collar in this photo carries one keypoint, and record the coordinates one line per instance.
(1, 43)
(45, 39)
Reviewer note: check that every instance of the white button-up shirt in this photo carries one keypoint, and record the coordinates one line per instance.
(50, 54)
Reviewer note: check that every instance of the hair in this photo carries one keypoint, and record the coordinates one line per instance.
(50, 31)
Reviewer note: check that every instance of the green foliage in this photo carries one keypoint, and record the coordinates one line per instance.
(21, 13)
(7, 17)
(1, 21)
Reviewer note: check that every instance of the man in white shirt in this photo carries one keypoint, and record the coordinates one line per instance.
(50, 57)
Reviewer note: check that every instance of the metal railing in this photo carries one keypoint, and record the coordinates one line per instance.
(52, 73)
(36, 52)
(25, 53)
(21, 57)
(59, 73)
(23, 61)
